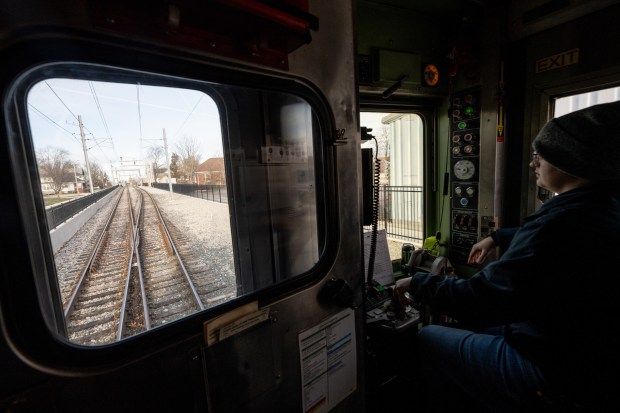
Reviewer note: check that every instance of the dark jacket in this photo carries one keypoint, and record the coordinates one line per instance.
(556, 287)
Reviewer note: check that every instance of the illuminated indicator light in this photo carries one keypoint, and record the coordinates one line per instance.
(456, 150)
(469, 111)
(456, 138)
(464, 201)
(462, 125)
(468, 149)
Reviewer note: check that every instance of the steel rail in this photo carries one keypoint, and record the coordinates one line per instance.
(145, 307)
(91, 259)
(176, 253)
(134, 245)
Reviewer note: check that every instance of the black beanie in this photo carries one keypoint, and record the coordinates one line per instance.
(584, 143)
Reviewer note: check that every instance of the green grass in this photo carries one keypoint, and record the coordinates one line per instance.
(53, 200)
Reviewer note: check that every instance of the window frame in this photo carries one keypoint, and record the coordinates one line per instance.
(22, 298)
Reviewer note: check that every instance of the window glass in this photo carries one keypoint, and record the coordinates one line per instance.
(398, 145)
(156, 212)
(572, 103)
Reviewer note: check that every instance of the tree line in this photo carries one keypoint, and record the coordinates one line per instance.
(57, 169)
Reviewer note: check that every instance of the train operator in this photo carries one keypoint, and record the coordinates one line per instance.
(535, 329)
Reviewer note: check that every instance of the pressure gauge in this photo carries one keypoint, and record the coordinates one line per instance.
(464, 169)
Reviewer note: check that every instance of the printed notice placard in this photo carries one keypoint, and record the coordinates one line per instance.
(328, 362)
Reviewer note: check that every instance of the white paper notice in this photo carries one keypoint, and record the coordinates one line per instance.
(328, 362)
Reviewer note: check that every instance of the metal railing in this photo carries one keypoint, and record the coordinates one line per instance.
(216, 193)
(59, 213)
(400, 207)
(401, 212)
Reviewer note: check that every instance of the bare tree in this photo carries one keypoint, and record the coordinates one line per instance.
(100, 177)
(174, 165)
(189, 157)
(156, 156)
(55, 167)
(383, 141)
(384, 154)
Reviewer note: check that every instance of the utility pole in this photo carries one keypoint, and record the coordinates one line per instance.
(90, 179)
(75, 177)
(167, 161)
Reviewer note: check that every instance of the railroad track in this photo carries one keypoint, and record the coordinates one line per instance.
(142, 273)
(93, 309)
(160, 277)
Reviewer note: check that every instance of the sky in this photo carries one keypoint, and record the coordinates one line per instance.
(120, 121)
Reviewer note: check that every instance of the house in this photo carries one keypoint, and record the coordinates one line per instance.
(210, 172)
(162, 178)
(74, 187)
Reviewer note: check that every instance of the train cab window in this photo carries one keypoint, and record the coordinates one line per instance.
(163, 198)
(570, 103)
(398, 145)
(567, 104)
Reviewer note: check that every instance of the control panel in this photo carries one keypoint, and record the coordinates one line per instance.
(384, 310)
(464, 162)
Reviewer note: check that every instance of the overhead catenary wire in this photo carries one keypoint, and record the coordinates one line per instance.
(54, 122)
(100, 110)
(188, 116)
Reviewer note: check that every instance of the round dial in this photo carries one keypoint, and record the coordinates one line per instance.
(464, 169)
(431, 75)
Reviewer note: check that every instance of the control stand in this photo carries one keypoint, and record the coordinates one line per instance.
(386, 312)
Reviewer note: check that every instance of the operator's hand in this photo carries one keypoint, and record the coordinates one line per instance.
(401, 287)
(480, 250)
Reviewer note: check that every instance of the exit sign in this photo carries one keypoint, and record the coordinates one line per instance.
(569, 57)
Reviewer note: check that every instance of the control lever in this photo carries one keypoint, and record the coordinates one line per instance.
(402, 304)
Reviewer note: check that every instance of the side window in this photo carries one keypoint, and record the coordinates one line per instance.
(571, 103)
(164, 200)
(398, 145)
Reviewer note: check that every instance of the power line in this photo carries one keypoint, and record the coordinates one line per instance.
(61, 101)
(190, 114)
(100, 110)
(103, 119)
(139, 111)
(65, 105)
(51, 120)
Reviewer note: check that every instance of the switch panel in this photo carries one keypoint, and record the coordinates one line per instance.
(464, 162)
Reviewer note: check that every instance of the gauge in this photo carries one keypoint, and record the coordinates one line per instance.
(464, 169)
(431, 75)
